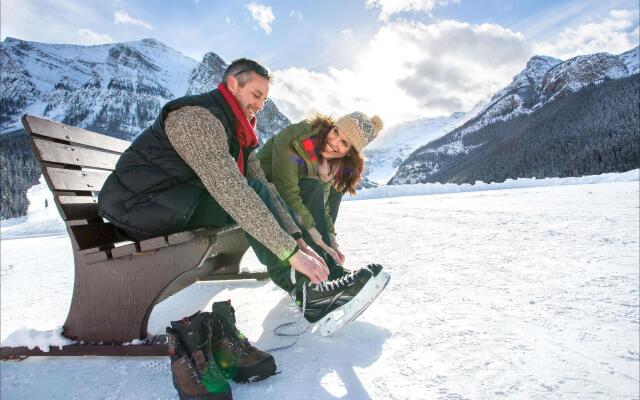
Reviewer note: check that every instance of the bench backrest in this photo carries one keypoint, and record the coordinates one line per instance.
(75, 163)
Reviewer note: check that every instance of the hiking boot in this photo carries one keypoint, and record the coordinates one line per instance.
(318, 300)
(193, 334)
(184, 374)
(236, 357)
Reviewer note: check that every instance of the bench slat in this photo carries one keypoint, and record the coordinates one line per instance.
(57, 130)
(78, 207)
(153, 243)
(88, 236)
(93, 258)
(73, 180)
(73, 155)
(125, 249)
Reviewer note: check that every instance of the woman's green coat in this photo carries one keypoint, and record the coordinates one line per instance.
(284, 162)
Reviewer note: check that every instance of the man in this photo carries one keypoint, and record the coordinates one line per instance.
(191, 169)
(195, 167)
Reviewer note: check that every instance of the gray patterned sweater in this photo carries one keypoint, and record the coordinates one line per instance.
(201, 141)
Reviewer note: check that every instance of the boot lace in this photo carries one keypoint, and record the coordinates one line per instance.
(191, 370)
(213, 372)
(239, 344)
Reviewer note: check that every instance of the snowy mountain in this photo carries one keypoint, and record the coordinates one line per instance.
(631, 59)
(115, 89)
(385, 154)
(543, 80)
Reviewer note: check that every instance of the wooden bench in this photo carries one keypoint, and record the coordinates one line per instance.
(118, 282)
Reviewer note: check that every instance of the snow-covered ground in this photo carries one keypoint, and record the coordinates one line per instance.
(527, 293)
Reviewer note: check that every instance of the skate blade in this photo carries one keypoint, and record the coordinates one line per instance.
(352, 310)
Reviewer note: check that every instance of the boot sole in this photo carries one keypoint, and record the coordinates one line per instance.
(255, 373)
(341, 316)
(209, 396)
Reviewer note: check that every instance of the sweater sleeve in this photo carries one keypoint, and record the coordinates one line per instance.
(201, 141)
(255, 171)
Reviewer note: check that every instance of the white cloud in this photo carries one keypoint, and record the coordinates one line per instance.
(346, 32)
(390, 7)
(89, 37)
(296, 13)
(614, 33)
(263, 15)
(121, 17)
(409, 70)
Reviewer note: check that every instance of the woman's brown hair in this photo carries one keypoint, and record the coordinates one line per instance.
(350, 170)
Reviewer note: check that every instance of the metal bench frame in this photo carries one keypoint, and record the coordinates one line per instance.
(118, 282)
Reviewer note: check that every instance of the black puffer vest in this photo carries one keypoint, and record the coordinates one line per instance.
(153, 191)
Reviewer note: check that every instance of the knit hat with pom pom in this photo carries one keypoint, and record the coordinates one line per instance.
(359, 129)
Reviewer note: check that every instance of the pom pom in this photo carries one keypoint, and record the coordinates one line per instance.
(377, 123)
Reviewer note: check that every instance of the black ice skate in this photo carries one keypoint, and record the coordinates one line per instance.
(332, 304)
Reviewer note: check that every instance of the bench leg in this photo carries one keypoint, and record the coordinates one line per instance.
(112, 299)
(235, 246)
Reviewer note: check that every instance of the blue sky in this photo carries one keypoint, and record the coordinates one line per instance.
(403, 58)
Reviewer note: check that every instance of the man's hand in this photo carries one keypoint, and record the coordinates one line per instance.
(302, 262)
(305, 248)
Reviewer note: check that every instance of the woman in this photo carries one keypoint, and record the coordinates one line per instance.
(313, 163)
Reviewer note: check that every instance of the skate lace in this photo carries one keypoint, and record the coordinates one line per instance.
(322, 286)
(336, 283)
(304, 299)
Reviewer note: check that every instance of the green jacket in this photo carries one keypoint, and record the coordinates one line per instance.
(284, 162)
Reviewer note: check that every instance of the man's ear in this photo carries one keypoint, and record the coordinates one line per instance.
(232, 84)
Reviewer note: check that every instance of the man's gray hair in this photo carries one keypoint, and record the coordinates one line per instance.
(241, 70)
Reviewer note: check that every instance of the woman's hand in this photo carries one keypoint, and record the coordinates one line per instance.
(339, 254)
(336, 248)
(317, 239)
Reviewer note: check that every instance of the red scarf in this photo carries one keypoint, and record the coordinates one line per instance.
(245, 133)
